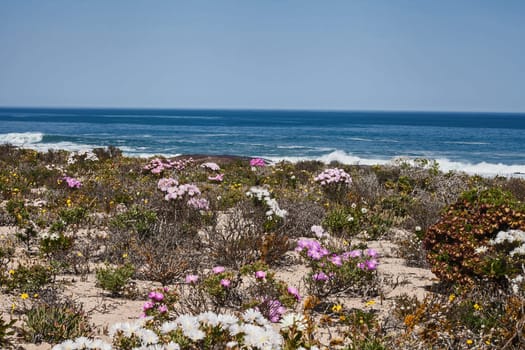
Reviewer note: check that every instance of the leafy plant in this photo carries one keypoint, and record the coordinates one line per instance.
(114, 279)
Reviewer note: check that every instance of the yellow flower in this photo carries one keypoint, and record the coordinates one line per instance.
(11, 272)
(469, 341)
(24, 296)
(342, 317)
(477, 307)
(125, 255)
(337, 308)
(451, 298)
(79, 254)
(370, 302)
(35, 295)
(68, 202)
(145, 201)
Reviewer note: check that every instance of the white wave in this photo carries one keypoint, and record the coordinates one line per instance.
(21, 138)
(294, 147)
(482, 168)
(467, 143)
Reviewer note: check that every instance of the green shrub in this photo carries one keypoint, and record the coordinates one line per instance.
(28, 279)
(114, 279)
(56, 321)
(460, 247)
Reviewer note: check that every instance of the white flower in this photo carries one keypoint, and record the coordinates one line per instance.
(518, 250)
(148, 336)
(349, 218)
(364, 210)
(226, 320)
(168, 327)
(172, 346)
(251, 315)
(67, 345)
(209, 317)
(481, 249)
(417, 228)
(231, 344)
(294, 319)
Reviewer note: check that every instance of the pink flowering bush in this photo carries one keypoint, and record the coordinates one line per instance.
(257, 162)
(160, 303)
(157, 165)
(350, 272)
(72, 182)
(334, 182)
(178, 192)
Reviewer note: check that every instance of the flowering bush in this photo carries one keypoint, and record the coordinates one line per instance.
(262, 194)
(157, 165)
(206, 330)
(351, 272)
(257, 162)
(334, 182)
(211, 166)
(72, 182)
(175, 191)
(478, 238)
(333, 176)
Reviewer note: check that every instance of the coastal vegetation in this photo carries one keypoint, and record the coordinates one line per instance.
(207, 244)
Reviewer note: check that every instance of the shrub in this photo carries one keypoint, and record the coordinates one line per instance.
(350, 273)
(54, 321)
(114, 279)
(461, 247)
(30, 279)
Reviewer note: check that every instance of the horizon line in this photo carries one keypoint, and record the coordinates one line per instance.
(264, 109)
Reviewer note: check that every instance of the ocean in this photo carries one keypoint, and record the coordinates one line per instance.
(477, 143)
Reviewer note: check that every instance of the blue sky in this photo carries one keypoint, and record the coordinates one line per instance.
(453, 55)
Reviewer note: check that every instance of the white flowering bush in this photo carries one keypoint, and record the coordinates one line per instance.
(207, 330)
(261, 194)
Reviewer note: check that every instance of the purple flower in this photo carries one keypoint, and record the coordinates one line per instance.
(163, 308)
(371, 264)
(148, 305)
(218, 269)
(371, 253)
(257, 162)
(361, 265)
(72, 182)
(260, 274)
(225, 283)
(320, 276)
(336, 260)
(355, 253)
(191, 279)
(156, 296)
(295, 292)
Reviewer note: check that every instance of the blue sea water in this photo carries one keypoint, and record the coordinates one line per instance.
(483, 143)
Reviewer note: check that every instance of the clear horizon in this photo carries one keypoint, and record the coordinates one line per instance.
(392, 56)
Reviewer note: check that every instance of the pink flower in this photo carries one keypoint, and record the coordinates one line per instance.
(371, 253)
(295, 292)
(218, 269)
(163, 308)
(156, 296)
(191, 279)
(148, 305)
(257, 162)
(217, 177)
(260, 274)
(371, 264)
(225, 283)
(320, 276)
(361, 265)
(336, 260)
